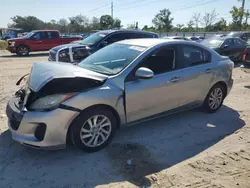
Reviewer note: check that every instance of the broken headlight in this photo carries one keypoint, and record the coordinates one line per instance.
(50, 102)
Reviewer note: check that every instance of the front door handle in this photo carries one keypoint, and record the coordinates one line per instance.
(175, 79)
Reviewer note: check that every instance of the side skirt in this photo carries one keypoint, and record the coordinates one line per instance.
(163, 114)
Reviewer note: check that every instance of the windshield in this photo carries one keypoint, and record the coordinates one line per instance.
(112, 59)
(94, 38)
(212, 43)
(234, 34)
(28, 35)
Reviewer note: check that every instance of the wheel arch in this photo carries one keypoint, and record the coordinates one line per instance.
(97, 106)
(23, 45)
(222, 83)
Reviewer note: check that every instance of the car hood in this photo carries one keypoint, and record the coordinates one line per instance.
(61, 76)
(17, 39)
(70, 45)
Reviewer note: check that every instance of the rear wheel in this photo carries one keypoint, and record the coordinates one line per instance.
(23, 50)
(93, 129)
(214, 98)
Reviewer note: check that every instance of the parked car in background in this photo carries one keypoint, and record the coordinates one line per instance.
(244, 35)
(178, 38)
(246, 55)
(227, 46)
(196, 38)
(113, 87)
(39, 40)
(219, 35)
(77, 51)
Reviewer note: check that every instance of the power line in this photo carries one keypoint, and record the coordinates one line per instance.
(106, 5)
(184, 7)
(192, 6)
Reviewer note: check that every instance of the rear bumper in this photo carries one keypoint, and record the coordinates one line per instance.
(45, 130)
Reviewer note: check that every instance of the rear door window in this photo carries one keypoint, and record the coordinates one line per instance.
(51, 35)
(193, 55)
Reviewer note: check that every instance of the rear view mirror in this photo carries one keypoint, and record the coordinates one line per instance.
(144, 73)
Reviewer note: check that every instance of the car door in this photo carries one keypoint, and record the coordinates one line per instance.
(50, 39)
(197, 73)
(35, 42)
(229, 48)
(240, 46)
(147, 97)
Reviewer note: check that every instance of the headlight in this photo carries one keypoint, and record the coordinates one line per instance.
(50, 101)
(12, 43)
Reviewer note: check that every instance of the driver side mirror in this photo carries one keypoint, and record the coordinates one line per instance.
(144, 73)
(103, 44)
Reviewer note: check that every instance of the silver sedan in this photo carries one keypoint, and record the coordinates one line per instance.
(124, 83)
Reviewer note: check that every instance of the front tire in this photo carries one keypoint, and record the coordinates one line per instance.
(215, 98)
(22, 50)
(93, 129)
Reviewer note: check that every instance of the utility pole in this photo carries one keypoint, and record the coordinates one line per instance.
(112, 9)
(241, 15)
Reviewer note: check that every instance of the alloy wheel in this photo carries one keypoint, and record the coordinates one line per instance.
(95, 131)
(215, 98)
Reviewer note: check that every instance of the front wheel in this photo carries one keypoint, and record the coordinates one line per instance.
(22, 50)
(214, 98)
(93, 129)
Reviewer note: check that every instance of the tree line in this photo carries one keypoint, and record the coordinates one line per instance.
(162, 22)
(75, 24)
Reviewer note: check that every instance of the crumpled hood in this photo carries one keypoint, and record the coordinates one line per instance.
(44, 72)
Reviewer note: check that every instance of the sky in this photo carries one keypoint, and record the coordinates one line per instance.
(129, 11)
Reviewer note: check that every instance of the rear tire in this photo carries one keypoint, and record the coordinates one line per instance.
(93, 129)
(215, 98)
(22, 50)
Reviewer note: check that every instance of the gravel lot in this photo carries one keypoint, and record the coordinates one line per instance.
(191, 149)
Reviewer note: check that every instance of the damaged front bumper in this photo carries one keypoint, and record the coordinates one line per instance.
(47, 130)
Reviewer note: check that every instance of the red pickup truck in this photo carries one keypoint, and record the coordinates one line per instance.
(39, 40)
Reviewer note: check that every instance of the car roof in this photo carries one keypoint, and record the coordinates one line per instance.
(154, 41)
(128, 30)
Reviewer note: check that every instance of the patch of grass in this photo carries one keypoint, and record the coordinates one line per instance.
(3, 45)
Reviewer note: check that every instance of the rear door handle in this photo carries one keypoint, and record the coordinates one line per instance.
(175, 79)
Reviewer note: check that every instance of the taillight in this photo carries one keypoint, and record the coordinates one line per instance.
(244, 56)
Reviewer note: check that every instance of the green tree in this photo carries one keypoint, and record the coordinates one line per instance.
(117, 23)
(179, 27)
(106, 22)
(95, 24)
(27, 23)
(163, 20)
(63, 23)
(236, 14)
(220, 25)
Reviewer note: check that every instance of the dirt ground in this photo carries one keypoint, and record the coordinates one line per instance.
(191, 149)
